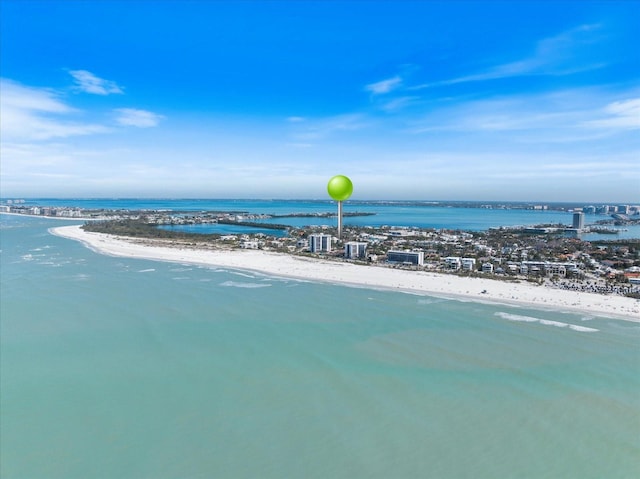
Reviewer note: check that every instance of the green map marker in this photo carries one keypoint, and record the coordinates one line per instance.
(340, 189)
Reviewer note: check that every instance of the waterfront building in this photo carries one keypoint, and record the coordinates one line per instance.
(550, 268)
(413, 257)
(453, 262)
(557, 269)
(320, 243)
(355, 250)
(487, 268)
(468, 264)
(398, 233)
(5, 209)
(578, 220)
(623, 209)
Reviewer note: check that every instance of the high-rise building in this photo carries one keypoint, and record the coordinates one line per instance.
(355, 249)
(578, 220)
(320, 243)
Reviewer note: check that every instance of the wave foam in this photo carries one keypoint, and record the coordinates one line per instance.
(557, 324)
(583, 329)
(517, 317)
(235, 284)
(245, 275)
(545, 322)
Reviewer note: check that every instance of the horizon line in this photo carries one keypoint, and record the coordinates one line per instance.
(166, 198)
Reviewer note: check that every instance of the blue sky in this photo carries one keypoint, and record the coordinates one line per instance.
(527, 101)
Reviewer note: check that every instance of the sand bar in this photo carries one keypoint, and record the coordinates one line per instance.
(436, 284)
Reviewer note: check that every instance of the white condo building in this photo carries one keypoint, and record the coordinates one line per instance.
(320, 243)
(355, 250)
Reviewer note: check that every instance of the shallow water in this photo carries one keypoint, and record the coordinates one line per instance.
(127, 368)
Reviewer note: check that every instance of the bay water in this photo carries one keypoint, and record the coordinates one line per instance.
(401, 214)
(125, 368)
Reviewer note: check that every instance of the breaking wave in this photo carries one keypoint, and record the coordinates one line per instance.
(545, 322)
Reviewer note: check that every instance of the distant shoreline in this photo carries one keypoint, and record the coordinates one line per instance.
(65, 218)
(417, 282)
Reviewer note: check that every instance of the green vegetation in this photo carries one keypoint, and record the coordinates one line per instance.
(140, 228)
(254, 224)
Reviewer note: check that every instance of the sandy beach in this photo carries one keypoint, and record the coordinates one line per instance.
(444, 285)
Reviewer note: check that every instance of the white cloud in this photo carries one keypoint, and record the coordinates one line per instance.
(563, 54)
(139, 118)
(320, 129)
(552, 117)
(38, 114)
(399, 103)
(620, 115)
(22, 97)
(89, 83)
(41, 114)
(295, 119)
(384, 86)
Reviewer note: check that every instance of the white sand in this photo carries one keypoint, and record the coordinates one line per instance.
(445, 285)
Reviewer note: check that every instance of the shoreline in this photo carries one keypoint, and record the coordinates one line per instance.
(415, 282)
(64, 218)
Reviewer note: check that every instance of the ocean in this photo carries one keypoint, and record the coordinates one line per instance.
(124, 368)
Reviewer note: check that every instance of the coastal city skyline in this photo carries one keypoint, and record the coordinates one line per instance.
(531, 101)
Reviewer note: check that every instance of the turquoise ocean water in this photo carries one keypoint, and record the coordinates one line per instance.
(124, 368)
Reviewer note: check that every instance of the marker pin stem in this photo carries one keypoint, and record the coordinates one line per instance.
(340, 189)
